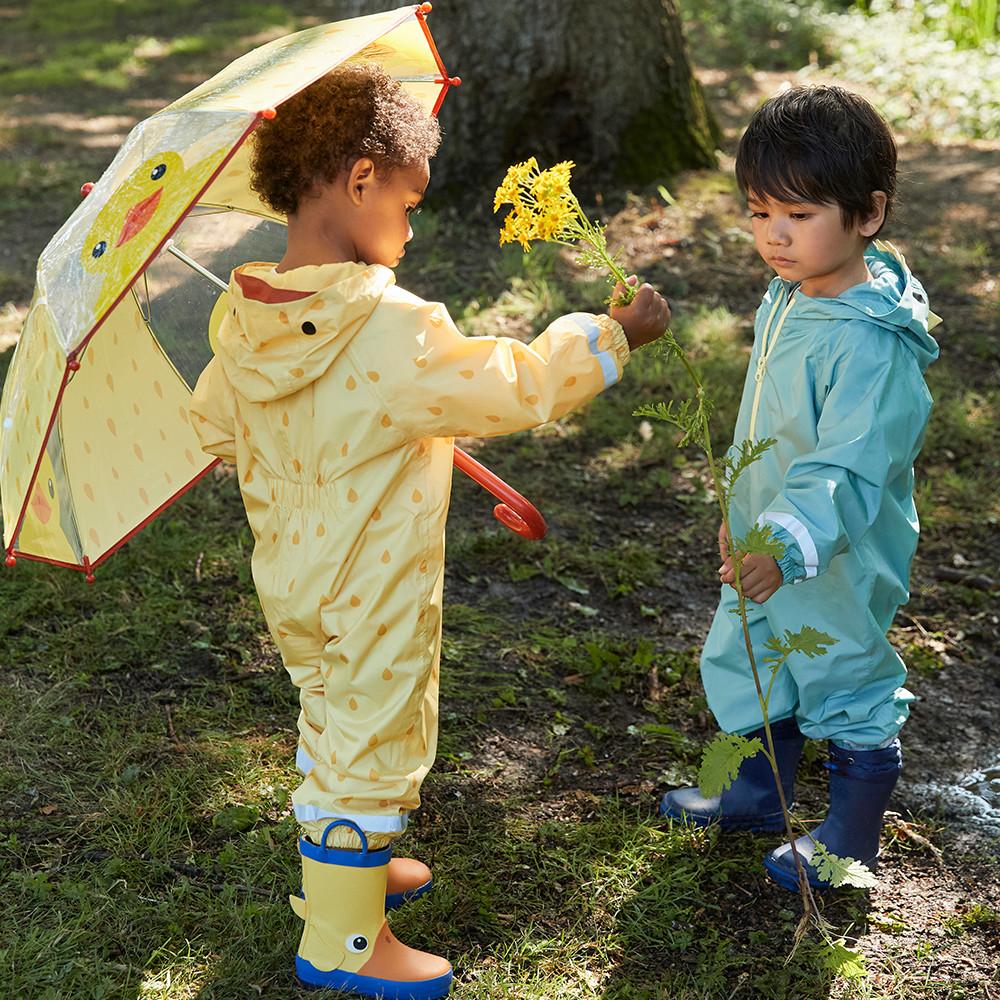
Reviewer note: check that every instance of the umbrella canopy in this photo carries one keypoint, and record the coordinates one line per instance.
(95, 437)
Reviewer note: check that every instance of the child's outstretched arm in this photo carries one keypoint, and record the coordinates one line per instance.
(212, 412)
(451, 385)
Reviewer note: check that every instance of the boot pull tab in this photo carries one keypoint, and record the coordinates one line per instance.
(345, 822)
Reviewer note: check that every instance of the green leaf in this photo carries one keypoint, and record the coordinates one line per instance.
(721, 762)
(809, 641)
(666, 195)
(844, 962)
(759, 541)
(841, 871)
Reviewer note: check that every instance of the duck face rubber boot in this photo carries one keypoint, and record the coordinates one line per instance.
(861, 782)
(346, 944)
(751, 802)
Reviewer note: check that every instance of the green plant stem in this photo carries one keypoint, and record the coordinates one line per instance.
(808, 903)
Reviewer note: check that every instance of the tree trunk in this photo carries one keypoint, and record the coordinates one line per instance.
(607, 85)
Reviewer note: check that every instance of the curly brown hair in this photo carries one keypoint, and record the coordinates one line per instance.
(351, 112)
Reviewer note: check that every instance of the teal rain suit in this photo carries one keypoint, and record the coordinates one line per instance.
(839, 384)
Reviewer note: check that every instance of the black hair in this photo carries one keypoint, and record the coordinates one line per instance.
(819, 144)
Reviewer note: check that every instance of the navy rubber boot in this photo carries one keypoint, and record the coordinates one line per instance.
(751, 802)
(861, 782)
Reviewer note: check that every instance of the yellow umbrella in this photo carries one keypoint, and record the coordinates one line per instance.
(95, 438)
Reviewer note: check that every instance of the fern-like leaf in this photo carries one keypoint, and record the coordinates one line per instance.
(841, 871)
(842, 961)
(721, 762)
(760, 541)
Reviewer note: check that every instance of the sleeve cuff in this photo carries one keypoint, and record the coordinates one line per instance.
(791, 564)
(612, 331)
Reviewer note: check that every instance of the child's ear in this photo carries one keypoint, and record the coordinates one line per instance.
(872, 223)
(360, 179)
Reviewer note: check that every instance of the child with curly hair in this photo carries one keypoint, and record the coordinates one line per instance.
(337, 395)
(836, 379)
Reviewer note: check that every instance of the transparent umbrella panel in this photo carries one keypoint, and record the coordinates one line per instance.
(179, 291)
(96, 437)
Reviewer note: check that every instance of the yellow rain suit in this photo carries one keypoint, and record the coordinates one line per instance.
(337, 395)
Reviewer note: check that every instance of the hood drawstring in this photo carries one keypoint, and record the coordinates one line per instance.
(767, 343)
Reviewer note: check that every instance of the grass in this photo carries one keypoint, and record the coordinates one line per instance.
(147, 726)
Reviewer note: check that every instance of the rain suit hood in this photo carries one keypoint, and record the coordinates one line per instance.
(263, 349)
(893, 299)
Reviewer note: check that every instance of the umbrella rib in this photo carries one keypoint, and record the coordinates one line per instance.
(194, 265)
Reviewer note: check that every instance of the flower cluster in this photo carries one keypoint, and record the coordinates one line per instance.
(543, 207)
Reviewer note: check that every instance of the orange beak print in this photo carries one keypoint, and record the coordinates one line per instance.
(138, 215)
(41, 507)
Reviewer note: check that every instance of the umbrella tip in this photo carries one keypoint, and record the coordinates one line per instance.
(10, 560)
(269, 114)
(425, 8)
(86, 188)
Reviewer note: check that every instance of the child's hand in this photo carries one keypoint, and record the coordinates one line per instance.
(645, 318)
(760, 576)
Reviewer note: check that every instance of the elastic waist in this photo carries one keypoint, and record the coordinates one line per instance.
(286, 493)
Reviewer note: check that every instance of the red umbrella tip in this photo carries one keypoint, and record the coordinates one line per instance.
(455, 81)
(73, 365)
(10, 561)
(269, 114)
(90, 578)
(425, 8)
(86, 188)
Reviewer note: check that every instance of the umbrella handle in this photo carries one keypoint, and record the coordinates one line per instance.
(514, 511)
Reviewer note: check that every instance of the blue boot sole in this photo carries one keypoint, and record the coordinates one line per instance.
(780, 875)
(367, 986)
(747, 824)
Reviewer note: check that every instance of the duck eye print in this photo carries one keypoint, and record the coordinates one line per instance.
(158, 171)
(52, 490)
(356, 943)
(99, 249)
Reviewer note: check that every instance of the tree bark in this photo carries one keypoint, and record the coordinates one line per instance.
(607, 85)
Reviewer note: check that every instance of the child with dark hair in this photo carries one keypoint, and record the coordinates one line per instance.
(836, 379)
(337, 395)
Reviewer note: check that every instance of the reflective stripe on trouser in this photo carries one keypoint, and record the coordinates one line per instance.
(368, 695)
(852, 693)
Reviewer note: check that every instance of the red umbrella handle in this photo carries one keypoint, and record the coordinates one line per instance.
(514, 511)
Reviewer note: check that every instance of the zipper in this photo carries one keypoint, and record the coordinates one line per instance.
(767, 342)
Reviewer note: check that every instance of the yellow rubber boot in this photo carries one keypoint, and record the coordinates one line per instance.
(346, 944)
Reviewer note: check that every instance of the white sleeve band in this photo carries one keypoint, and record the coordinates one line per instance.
(791, 524)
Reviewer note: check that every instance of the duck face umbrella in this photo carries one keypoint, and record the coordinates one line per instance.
(95, 437)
